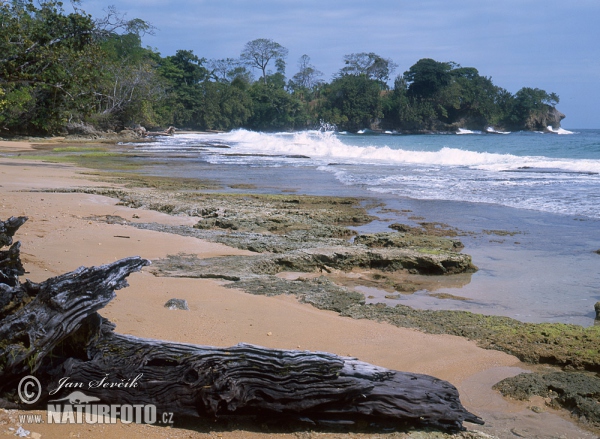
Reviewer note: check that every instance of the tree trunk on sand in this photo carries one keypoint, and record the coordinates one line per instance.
(51, 330)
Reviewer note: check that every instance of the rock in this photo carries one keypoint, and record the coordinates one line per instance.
(597, 309)
(540, 120)
(324, 259)
(21, 432)
(404, 240)
(82, 128)
(177, 304)
(574, 391)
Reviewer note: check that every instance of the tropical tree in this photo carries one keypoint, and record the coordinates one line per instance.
(273, 108)
(47, 59)
(258, 53)
(184, 73)
(427, 77)
(228, 69)
(224, 106)
(352, 102)
(129, 89)
(308, 77)
(370, 64)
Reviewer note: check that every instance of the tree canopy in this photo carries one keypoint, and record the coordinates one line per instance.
(61, 70)
(370, 65)
(258, 53)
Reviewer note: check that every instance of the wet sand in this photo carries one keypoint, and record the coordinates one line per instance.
(60, 236)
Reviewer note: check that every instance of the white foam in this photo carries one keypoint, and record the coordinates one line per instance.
(465, 131)
(559, 130)
(326, 147)
(492, 130)
(561, 185)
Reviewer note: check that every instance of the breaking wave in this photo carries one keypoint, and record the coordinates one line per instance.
(326, 146)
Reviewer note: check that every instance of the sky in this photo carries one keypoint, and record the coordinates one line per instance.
(549, 44)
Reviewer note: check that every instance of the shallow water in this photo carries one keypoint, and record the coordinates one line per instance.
(544, 172)
(544, 270)
(508, 418)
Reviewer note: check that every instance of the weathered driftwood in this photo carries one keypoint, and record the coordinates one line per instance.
(168, 132)
(10, 261)
(52, 330)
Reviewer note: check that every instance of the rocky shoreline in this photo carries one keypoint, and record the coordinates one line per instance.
(308, 236)
(303, 246)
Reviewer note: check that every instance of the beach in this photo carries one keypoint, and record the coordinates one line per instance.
(63, 232)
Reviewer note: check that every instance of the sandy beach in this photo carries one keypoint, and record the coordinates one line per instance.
(62, 235)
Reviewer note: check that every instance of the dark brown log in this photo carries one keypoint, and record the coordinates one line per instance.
(49, 312)
(52, 330)
(8, 229)
(252, 380)
(10, 262)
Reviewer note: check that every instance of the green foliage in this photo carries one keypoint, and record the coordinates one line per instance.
(225, 106)
(370, 64)
(60, 69)
(427, 77)
(3, 101)
(258, 53)
(352, 102)
(530, 103)
(434, 95)
(273, 108)
(307, 78)
(41, 50)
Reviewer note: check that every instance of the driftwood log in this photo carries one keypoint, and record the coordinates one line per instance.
(52, 330)
(168, 132)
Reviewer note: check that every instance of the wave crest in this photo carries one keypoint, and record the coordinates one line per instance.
(327, 146)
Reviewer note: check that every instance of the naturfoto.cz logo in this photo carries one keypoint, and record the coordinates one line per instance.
(79, 408)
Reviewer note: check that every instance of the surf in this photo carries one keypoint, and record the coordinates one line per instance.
(327, 146)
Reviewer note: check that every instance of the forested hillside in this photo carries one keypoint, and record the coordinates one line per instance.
(68, 71)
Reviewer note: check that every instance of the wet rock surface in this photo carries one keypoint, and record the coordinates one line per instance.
(324, 260)
(404, 240)
(577, 392)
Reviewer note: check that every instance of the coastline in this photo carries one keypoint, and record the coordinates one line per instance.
(60, 236)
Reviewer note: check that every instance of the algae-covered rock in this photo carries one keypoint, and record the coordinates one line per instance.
(577, 392)
(427, 228)
(404, 240)
(324, 259)
(283, 214)
(319, 292)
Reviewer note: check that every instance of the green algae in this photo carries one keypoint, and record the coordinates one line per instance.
(93, 159)
(572, 347)
(577, 392)
(84, 149)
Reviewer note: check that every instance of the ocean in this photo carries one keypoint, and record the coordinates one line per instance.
(527, 202)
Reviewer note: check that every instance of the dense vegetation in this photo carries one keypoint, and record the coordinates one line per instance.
(62, 70)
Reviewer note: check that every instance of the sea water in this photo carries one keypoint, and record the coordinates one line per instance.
(528, 202)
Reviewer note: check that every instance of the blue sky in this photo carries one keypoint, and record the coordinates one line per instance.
(549, 44)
